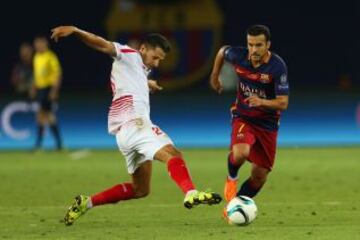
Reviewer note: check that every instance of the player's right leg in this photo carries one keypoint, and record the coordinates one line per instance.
(41, 123)
(54, 127)
(79, 207)
(139, 188)
(41, 116)
(236, 159)
(241, 142)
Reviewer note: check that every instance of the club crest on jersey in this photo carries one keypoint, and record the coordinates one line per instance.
(265, 78)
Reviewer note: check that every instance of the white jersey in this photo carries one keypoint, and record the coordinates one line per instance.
(130, 88)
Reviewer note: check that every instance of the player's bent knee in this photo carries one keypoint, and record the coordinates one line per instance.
(166, 153)
(240, 157)
(142, 193)
(171, 150)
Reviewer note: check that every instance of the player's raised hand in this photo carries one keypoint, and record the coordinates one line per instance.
(254, 101)
(153, 85)
(216, 84)
(62, 31)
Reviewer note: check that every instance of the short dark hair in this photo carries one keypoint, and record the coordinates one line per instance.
(256, 30)
(156, 40)
(41, 37)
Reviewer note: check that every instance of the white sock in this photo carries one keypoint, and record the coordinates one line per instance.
(190, 192)
(233, 179)
(89, 204)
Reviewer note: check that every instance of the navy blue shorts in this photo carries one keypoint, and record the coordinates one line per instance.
(43, 99)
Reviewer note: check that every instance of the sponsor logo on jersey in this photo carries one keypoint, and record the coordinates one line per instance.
(250, 91)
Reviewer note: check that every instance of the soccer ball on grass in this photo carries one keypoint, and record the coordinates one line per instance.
(241, 211)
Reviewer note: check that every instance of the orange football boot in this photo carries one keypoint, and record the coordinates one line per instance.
(230, 189)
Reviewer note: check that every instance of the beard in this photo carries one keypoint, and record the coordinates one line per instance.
(255, 57)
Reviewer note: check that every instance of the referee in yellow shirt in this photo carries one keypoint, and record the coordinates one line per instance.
(45, 89)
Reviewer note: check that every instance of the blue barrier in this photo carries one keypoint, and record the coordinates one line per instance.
(190, 120)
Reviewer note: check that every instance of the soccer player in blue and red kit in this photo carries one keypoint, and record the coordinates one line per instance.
(262, 94)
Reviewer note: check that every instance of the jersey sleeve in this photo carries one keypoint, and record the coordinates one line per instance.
(281, 80)
(230, 54)
(118, 48)
(121, 50)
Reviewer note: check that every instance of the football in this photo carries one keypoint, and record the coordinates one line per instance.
(241, 211)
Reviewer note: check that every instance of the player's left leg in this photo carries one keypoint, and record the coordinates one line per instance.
(262, 156)
(179, 172)
(177, 168)
(253, 185)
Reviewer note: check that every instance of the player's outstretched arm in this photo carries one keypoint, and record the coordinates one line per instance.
(90, 39)
(215, 81)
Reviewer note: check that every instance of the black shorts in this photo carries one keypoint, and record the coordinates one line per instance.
(43, 99)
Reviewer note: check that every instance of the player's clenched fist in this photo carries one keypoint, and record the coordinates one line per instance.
(216, 84)
(254, 101)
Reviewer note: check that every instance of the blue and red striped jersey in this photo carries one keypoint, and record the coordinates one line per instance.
(266, 81)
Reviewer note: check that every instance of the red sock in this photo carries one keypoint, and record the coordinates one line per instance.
(114, 194)
(180, 174)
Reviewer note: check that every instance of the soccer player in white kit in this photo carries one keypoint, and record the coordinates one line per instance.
(139, 140)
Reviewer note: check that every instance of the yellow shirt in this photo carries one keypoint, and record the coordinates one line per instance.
(47, 69)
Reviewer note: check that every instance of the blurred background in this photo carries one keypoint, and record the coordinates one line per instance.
(318, 41)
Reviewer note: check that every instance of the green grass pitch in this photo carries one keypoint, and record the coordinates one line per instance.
(312, 193)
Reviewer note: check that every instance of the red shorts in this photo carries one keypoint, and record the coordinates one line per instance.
(262, 142)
